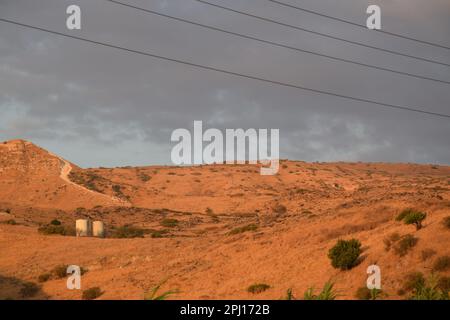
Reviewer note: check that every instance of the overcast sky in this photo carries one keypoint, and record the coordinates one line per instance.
(99, 106)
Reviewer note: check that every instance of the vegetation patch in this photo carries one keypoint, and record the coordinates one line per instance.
(442, 264)
(159, 233)
(55, 222)
(55, 227)
(429, 290)
(446, 222)
(144, 177)
(92, 293)
(406, 243)
(411, 216)
(390, 240)
(413, 281)
(365, 293)
(327, 293)
(88, 180)
(258, 288)
(444, 284)
(344, 255)
(29, 289)
(154, 295)
(169, 223)
(127, 231)
(427, 253)
(249, 227)
(58, 272)
(44, 277)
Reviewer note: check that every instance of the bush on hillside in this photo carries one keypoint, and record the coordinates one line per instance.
(411, 216)
(344, 255)
(405, 244)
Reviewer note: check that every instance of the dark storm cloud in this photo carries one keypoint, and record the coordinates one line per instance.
(99, 106)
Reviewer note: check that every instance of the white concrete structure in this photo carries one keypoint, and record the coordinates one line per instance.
(98, 229)
(83, 228)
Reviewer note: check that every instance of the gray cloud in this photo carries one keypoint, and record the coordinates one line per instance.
(102, 107)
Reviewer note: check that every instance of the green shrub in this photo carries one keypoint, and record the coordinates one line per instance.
(144, 177)
(92, 293)
(327, 293)
(249, 227)
(365, 293)
(289, 295)
(429, 291)
(152, 295)
(258, 288)
(344, 255)
(11, 222)
(403, 214)
(169, 223)
(44, 277)
(29, 289)
(415, 218)
(127, 231)
(405, 244)
(411, 216)
(55, 222)
(442, 264)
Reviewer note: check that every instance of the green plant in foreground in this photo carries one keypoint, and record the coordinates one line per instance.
(327, 293)
(344, 255)
(289, 295)
(153, 294)
(429, 291)
(365, 293)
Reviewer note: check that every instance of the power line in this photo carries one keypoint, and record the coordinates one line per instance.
(241, 75)
(323, 34)
(359, 25)
(277, 44)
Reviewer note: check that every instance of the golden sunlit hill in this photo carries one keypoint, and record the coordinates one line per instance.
(219, 231)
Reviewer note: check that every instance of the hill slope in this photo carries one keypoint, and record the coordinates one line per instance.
(233, 227)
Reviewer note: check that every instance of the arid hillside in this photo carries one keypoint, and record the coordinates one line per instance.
(213, 231)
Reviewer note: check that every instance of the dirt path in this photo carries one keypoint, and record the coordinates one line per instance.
(64, 175)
